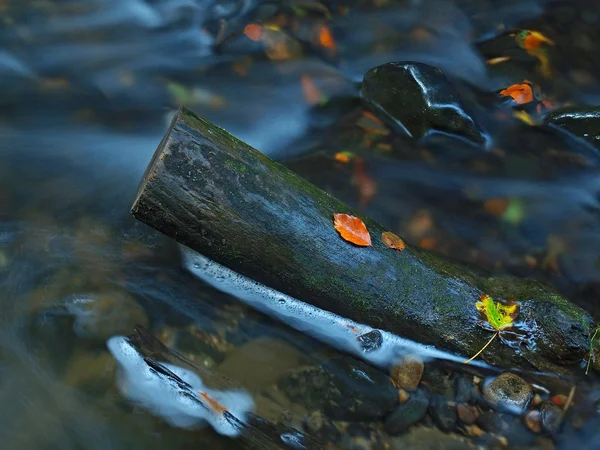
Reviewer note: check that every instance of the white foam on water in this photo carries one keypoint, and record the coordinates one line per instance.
(181, 406)
(327, 327)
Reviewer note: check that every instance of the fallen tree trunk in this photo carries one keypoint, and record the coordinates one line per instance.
(224, 199)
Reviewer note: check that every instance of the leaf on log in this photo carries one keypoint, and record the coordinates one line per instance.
(390, 240)
(498, 315)
(352, 229)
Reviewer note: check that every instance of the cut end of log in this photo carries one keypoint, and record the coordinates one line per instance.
(151, 170)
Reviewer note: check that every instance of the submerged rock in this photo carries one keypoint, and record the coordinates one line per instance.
(583, 122)
(407, 373)
(550, 417)
(407, 414)
(260, 362)
(343, 388)
(508, 392)
(417, 99)
(100, 316)
(443, 413)
(370, 341)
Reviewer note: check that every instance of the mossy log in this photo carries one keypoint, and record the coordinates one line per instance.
(217, 195)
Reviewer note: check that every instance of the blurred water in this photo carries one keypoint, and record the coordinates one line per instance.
(87, 87)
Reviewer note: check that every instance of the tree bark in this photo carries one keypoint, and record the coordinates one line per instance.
(217, 195)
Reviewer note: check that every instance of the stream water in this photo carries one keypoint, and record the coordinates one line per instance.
(87, 89)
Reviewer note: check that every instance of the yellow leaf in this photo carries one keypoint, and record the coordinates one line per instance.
(498, 315)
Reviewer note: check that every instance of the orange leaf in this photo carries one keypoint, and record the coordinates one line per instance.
(215, 405)
(326, 38)
(520, 93)
(253, 31)
(390, 240)
(352, 229)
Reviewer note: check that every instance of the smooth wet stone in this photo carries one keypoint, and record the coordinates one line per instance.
(443, 413)
(427, 438)
(407, 414)
(418, 100)
(99, 316)
(407, 373)
(467, 414)
(508, 426)
(260, 362)
(550, 417)
(583, 122)
(508, 392)
(532, 420)
(463, 387)
(370, 341)
(343, 388)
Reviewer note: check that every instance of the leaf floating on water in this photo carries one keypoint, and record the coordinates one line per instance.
(390, 240)
(352, 229)
(498, 315)
(520, 93)
(533, 42)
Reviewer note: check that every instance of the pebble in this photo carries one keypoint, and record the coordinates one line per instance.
(443, 413)
(314, 422)
(508, 392)
(407, 414)
(370, 341)
(551, 417)
(407, 373)
(403, 396)
(463, 386)
(532, 420)
(467, 414)
(474, 430)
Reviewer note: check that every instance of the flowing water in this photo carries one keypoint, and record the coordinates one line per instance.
(87, 91)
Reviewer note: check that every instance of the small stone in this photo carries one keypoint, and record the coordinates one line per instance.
(532, 420)
(476, 380)
(537, 400)
(407, 414)
(370, 341)
(314, 422)
(443, 414)
(463, 386)
(474, 430)
(551, 417)
(403, 396)
(503, 441)
(508, 392)
(467, 414)
(407, 373)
